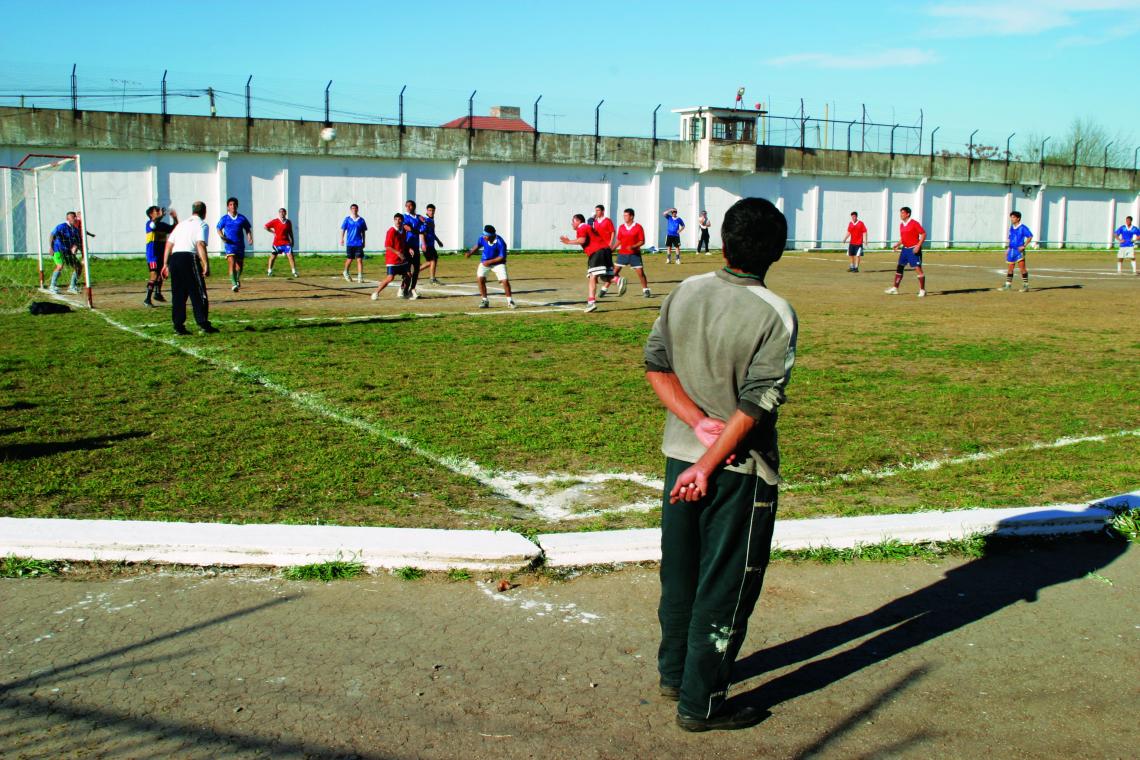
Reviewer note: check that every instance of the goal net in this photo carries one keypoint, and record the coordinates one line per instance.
(42, 227)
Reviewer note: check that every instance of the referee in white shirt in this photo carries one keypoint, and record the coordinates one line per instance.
(186, 268)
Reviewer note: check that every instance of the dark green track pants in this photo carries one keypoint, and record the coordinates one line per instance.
(713, 556)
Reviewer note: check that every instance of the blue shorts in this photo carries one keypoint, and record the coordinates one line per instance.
(908, 258)
(239, 256)
(283, 250)
(632, 260)
(354, 252)
(1013, 255)
(398, 268)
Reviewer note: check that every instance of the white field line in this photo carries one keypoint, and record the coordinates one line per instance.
(1086, 274)
(934, 464)
(522, 488)
(373, 317)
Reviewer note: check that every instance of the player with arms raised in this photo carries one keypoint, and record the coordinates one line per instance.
(156, 233)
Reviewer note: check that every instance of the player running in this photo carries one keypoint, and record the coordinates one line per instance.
(492, 259)
(911, 238)
(674, 226)
(1019, 238)
(282, 229)
(156, 233)
(604, 229)
(599, 257)
(234, 230)
(856, 233)
(631, 239)
(1126, 236)
(352, 234)
(431, 256)
(395, 256)
(65, 249)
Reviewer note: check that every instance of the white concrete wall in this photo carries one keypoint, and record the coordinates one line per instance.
(531, 204)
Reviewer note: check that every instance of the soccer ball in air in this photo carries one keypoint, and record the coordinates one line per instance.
(328, 134)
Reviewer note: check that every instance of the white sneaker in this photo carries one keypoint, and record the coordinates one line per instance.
(346, 277)
(73, 289)
(294, 273)
(360, 279)
(53, 289)
(922, 294)
(511, 304)
(413, 294)
(235, 288)
(668, 259)
(375, 296)
(622, 286)
(484, 303)
(678, 259)
(645, 292)
(269, 273)
(892, 291)
(592, 306)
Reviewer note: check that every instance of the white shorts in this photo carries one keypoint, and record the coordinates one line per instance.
(1126, 252)
(500, 271)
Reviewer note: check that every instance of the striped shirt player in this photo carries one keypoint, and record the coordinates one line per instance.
(631, 239)
(283, 241)
(909, 246)
(1126, 235)
(719, 357)
(156, 233)
(492, 251)
(1018, 240)
(856, 234)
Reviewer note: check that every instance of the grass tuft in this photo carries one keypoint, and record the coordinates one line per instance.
(409, 573)
(25, 567)
(331, 570)
(1127, 525)
(888, 551)
(458, 574)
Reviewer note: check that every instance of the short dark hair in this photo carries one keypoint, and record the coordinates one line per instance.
(409, 200)
(398, 215)
(232, 200)
(906, 209)
(150, 210)
(489, 229)
(353, 205)
(579, 219)
(630, 212)
(754, 234)
(854, 213)
(1015, 213)
(198, 209)
(431, 206)
(1127, 218)
(601, 208)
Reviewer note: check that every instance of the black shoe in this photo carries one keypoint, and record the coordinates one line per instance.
(158, 297)
(147, 303)
(181, 331)
(728, 720)
(670, 692)
(210, 329)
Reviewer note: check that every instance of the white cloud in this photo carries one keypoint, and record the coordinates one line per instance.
(877, 60)
(1008, 18)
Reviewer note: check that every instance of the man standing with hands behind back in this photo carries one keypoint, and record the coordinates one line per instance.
(187, 267)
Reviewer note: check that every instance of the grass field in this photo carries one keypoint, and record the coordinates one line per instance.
(315, 404)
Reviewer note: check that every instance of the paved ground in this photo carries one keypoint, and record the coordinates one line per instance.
(1030, 652)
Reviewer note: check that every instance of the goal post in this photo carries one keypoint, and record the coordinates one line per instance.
(38, 193)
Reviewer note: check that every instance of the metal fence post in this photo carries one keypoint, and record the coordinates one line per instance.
(932, 134)
(165, 116)
(536, 114)
(327, 88)
(1007, 155)
(402, 108)
(1047, 139)
(970, 157)
(248, 110)
(849, 126)
(655, 110)
(75, 92)
(597, 123)
(893, 140)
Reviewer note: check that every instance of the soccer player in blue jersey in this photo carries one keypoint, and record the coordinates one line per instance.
(431, 256)
(234, 230)
(492, 259)
(413, 232)
(1126, 236)
(352, 235)
(674, 226)
(1019, 238)
(65, 249)
(156, 233)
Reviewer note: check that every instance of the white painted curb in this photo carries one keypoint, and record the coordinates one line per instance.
(272, 545)
(644, 545)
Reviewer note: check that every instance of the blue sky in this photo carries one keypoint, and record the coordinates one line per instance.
(997, 66)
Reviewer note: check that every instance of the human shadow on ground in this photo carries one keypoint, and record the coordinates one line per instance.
(72, 720)
(1007, 573)
(34, 450)
(17, 406)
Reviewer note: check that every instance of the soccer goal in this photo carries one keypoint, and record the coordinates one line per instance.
(42, 214)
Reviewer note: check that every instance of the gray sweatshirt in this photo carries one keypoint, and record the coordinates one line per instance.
(731, 343)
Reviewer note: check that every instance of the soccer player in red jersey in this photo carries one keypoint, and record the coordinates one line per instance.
(599, 261)
(282, 229)
(911, 238)
(856, 233)
(395, 256)
(631, 238)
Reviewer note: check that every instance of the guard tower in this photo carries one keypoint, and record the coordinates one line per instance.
(725, 137)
